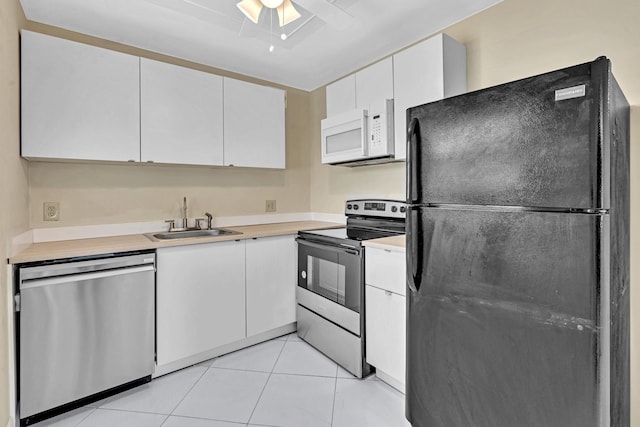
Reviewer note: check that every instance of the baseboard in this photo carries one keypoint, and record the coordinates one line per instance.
(393, 382)
(328, 217)
(20, 242)
(201, 357)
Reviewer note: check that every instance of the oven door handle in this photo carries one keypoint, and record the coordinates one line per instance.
(329, 247)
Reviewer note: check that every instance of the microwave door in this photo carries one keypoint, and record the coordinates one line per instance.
(344, 137)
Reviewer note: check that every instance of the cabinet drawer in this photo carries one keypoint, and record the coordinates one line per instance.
(386, 269)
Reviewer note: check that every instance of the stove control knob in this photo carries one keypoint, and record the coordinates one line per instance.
(349, 206)
(403, 209)
(394, 209)
(356, 207)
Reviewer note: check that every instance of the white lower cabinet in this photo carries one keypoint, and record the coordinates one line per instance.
(271, 287)
(200, 298)
(214, 298)
(385, 302)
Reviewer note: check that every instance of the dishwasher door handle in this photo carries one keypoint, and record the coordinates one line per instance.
(35, 283)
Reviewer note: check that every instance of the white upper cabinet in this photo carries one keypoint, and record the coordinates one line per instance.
(181, 115)
(78, 101)
(366, 89)
(254, 125)
(429, 71)
(374, 85)
(341, 96)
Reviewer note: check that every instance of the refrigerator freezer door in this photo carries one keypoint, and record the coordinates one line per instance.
(535, 142)
(504, 328)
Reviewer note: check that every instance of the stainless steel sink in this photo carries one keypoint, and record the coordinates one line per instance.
(184, 234)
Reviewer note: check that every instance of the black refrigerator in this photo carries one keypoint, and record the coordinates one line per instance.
(518, 254)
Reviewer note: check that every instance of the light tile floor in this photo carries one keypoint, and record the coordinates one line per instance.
(280, 383)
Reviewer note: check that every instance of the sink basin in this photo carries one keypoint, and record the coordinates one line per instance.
(169, 235)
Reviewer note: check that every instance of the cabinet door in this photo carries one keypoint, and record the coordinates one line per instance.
(341, 96)
(386, 331)
(181, 115)
(254, 125)
(78, 101)
(374, 85)
(200, 298)
(271, 283)
(426, 72)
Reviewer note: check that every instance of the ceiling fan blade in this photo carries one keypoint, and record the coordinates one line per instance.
(328, 12)
(287, 13)
(251, 9)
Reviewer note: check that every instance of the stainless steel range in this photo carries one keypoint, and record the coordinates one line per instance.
(330, 290)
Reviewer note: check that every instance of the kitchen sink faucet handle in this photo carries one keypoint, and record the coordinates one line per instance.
(209, 220)
(198, 226)
(172, 224)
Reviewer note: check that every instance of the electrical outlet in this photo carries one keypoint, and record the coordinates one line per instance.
(51, 211)
(270, 206)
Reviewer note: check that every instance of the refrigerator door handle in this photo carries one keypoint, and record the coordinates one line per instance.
(413, 157)
(414, 254)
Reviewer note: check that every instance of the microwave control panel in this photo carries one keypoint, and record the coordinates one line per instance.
(380, 126)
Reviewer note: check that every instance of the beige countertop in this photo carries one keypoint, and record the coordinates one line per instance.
(135, 242)
(396, 243)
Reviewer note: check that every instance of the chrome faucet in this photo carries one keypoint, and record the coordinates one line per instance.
(209, 220)
(184, 213)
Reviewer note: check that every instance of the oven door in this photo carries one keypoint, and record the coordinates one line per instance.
(330, 282)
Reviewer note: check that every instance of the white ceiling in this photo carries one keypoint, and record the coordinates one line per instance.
(330, 40)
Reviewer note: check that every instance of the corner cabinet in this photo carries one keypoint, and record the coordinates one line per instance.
(385, 302)
(181, 115)
(79, 102)
(254, 125)
(200, 299)
(271, 283)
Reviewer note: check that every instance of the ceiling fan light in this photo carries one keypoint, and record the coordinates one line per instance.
(287, 13)
(251, 9)
(271, 4)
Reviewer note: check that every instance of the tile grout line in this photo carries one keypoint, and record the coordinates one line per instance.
(185, 395)
(335, 392)
(267, 382)
(280, 373)
(87, 416)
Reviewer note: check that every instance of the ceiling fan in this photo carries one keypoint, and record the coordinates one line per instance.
(224, 14)
(286, 11)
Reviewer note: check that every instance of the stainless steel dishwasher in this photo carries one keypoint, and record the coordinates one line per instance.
(85, 327)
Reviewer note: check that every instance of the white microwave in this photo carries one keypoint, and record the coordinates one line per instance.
(359, 137)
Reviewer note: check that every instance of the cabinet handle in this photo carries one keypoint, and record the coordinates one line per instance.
(387, 293)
